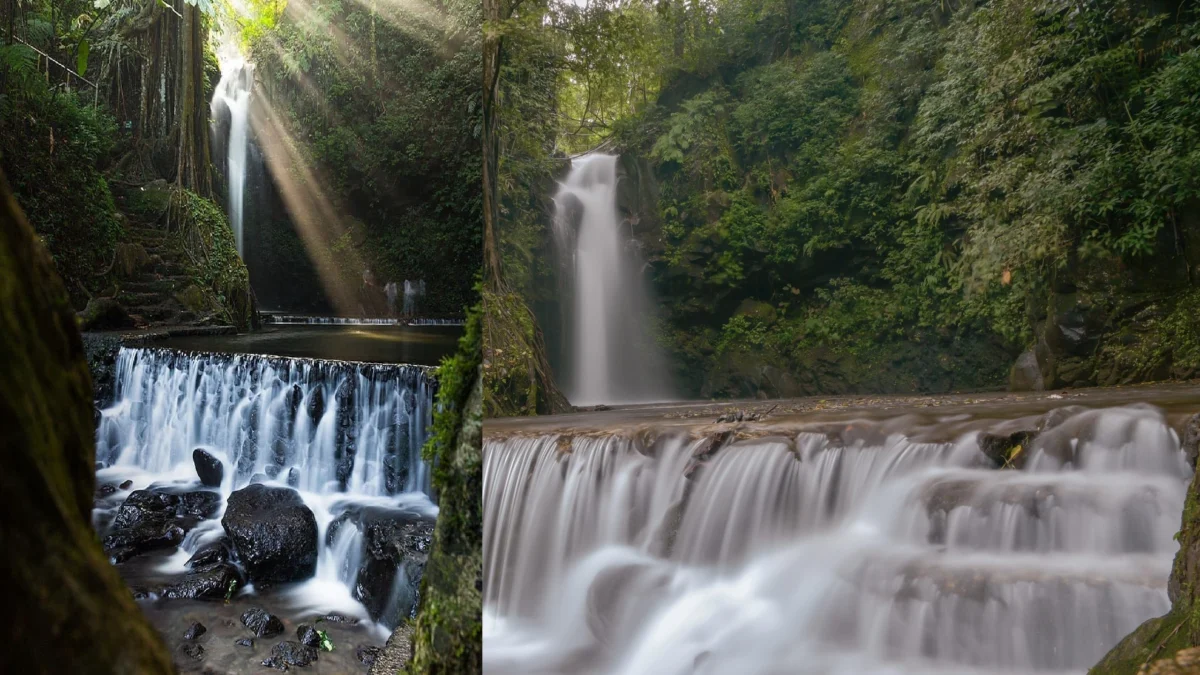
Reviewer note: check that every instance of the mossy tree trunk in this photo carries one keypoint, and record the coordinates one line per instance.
(193, 151)
(68, 611)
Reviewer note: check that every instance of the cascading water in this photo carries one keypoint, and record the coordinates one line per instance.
(233, 94)
(864, 546)
(347, 436)
(611, 356)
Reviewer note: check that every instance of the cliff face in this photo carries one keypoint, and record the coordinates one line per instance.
(75, 615)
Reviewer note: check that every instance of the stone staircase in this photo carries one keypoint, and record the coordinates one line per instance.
(156, 292)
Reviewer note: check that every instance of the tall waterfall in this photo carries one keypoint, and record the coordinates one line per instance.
(233, 93)
(865, 546)
(612, 358)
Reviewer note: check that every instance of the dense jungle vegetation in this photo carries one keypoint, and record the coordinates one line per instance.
(877, 195)
(105, 133)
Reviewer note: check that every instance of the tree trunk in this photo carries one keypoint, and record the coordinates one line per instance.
(493, 14)
(192, 116)
(69, 612)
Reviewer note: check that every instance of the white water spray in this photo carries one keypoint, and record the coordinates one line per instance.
(612, 358)
(233, 92)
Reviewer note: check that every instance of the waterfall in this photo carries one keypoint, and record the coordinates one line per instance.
(414, 291)
(611, 357)
(889, 546)
(346, 427)
(233, 93)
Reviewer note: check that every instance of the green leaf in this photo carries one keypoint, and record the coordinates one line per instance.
(82, 59)
(326, 644)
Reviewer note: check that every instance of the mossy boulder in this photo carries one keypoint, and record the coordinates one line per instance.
(76, 615)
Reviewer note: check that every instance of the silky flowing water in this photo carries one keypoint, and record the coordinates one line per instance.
(347, 435)
(867, 540)
(612, 358)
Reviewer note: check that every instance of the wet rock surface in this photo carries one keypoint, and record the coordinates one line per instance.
(307, 635)
(194, 631)
(261, 622)
(208, 468)
(396, 548)
(273, 533)
(290, 653)
(154, 519)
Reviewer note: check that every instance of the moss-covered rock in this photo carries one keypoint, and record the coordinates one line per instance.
(448, 634)
(75, 614)
(209, 244)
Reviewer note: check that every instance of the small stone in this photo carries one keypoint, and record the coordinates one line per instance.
(334, 617)
(194, 631)
(292, 654)
(126, 485)
(208, 468)
(244, 642)
(263, 623)
(194, 650)
(307, 635)
(106, 489)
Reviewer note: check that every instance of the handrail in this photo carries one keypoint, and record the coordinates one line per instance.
(56, 62)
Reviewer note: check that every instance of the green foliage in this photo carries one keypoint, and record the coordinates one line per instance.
(325, 644)
(890, 173)
(209, 243)
(52, 146)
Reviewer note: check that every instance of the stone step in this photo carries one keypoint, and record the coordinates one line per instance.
(130, 298)
(153, 284)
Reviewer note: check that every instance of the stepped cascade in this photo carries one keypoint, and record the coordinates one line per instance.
(910, 544)
(611, 358)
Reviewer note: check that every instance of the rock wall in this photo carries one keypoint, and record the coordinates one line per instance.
(448, 635)
(70, 610)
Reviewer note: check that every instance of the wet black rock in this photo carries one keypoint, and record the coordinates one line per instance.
(210, 554)
(146, 506)
(105, 490)
(290, 653)
(244, 642)
(214, 582)
(194, 631)
(126, 485)
(201, 504)
(124, 543)
(367, 654)
(262, 622)
(307, 635)
(193, 650)
(293, 477)
(273, 532)
(396, 542)
(208, 468)
(339, 618)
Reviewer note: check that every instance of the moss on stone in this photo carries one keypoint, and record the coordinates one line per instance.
(209, 244)
(70, 612)
(448, 634)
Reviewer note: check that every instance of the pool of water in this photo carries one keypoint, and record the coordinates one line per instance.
(419, 345)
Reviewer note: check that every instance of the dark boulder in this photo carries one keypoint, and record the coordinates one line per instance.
(210, 554)
(201, 504)
(288, 653)
(307, 635)
(194, 631)
(367, 654)
(208, 468)
(262, 622)
(124, 543)
(146, 506)
(214, 582)
(396, 542)
(273, 532)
